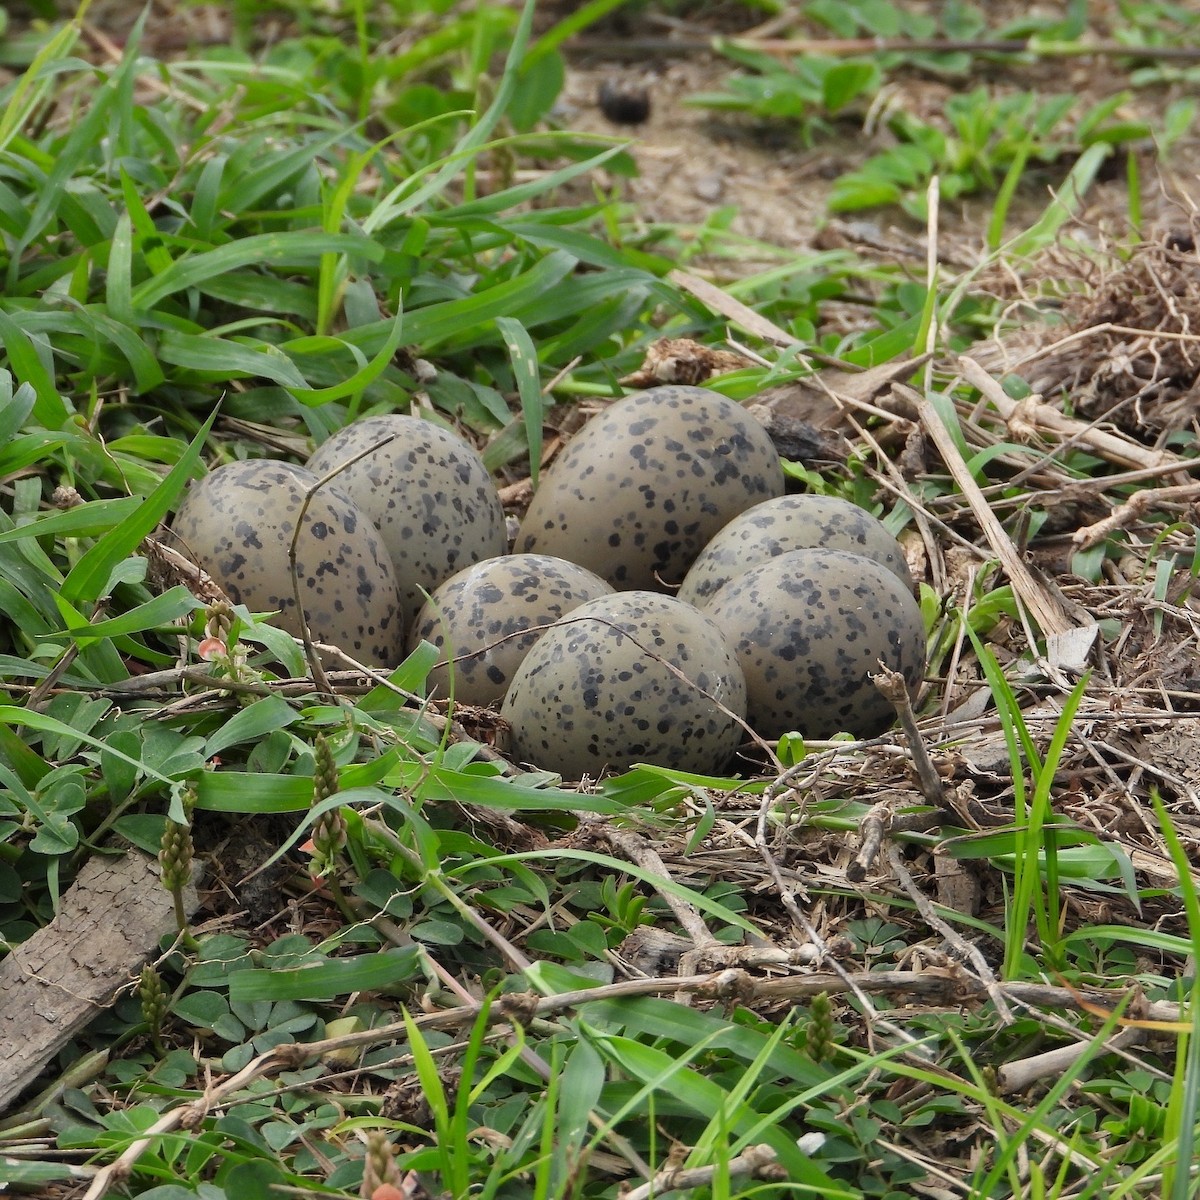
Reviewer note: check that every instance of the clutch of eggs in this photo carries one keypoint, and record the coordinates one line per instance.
(403, 541)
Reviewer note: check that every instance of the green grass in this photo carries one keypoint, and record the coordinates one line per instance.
(208, 257)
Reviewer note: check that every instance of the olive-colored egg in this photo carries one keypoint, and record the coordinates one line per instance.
(602, 690)
(809, 628)
(790, 523)
(428, 493)
(238, 522)
(490, 615)
(640, 491)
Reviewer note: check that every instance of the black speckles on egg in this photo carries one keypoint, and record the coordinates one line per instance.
(600, 690)
(345, 573)
(673, 450)
(427, 491)
(809, 627)
(790, 523)
(492, 613)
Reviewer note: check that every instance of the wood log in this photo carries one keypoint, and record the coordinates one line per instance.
(109, 922)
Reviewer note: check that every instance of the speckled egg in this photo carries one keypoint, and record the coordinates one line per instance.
(640, 491)
(809, 627)
(790, 523)
(490, 616)
(600, 690)
(238, 522)
(428, 493)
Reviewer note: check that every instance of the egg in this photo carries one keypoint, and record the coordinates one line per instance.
(428, 493)
(809, 628)
(642, 489)
(238, 522)
(790, 523)
(628, 678)
(491, 614)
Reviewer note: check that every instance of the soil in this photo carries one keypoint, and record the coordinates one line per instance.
(692, 162)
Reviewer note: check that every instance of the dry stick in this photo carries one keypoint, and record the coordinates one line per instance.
(165, 560)
(955, 660)
(964, 948)
(648, 859)
(1132, 510)
(1112, 447)
(1024, 1072)
(891, 684)
(933, 207)
(722, 302)
(1081, 487)
(1045, 609)
(725, 305)
(1033, 47)
(1049, 616)
(872, 831)
(755, 1162)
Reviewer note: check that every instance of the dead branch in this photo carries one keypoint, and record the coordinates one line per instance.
(1025, 1072)
(1133, 509)
(872, 832)
(1111, 446)
(891, 684)
(969, 952)
(1045, 610)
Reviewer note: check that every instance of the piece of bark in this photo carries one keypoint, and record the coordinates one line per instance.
(957, 886)
(109, 922)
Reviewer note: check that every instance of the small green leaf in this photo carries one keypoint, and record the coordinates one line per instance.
(86, 579)
(285, 248)
(120, 774)
(242, 792)
(524, 358)
(260, 718)
(55, 836)
(144, 830)
(845, 82)
(437, 933)
(334, 977)
(201, 1009)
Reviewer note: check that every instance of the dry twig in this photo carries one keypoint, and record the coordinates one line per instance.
(1109, 445)
(967, 950)
(1023, 1073)
(1133, 509)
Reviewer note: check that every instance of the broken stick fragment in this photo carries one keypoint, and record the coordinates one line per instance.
(110, 921)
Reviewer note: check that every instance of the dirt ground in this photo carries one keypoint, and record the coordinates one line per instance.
(692, 161)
